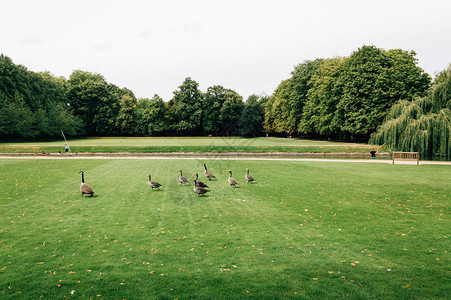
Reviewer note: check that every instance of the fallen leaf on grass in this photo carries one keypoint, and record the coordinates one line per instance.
(40, 263)
(315, 279)
(406, 286)
(330, 272)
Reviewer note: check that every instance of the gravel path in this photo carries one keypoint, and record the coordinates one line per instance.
(213, 156)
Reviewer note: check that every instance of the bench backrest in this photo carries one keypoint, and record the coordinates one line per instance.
(406, 156)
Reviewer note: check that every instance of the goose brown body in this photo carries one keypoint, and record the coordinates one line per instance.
(231, 180)
(199, 190)
(153, 184)
(182, 179)
(208, 174)
(84, 187)
(199, 183)
(248, 177)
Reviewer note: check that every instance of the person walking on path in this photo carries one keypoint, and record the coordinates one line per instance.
(66, 147)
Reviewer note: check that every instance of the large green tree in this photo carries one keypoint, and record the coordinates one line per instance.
(372, 81)
(127, 118)
(344, 97)
(95, 101)
(16, 118)
(286, 105)
(277, 109)
(322, 99)
(230, 113)
(221, 111)
(300, 84)
(186, 108)
(33, 104)
(214, 99)
(251, 120)
(152, 116)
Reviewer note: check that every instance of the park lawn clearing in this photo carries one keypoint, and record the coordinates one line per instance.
(185, 144)
(305, 229)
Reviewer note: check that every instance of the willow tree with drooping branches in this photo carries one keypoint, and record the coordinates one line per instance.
(423, 125)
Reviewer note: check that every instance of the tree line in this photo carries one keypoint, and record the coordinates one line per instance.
(345, 98)
(41, 105)
(33, 104)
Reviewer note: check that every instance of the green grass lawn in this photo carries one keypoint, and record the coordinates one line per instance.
(190, 144)
(304, 230)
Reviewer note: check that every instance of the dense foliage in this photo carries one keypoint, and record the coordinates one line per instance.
(340, 98)
(42, 105)
(344, 98)
(33, 104)
(422, 125)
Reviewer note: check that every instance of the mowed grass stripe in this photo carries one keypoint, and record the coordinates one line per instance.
(181, 144)
(312, 229)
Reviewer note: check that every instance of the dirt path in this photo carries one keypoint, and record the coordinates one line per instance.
(213, 156)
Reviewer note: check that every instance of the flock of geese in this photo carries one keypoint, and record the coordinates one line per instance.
(199, 188)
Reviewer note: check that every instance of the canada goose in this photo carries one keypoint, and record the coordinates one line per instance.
(182, 179)
(248, 177)
(84, 187)
(153, 184)
(199, 190)
(231, 180)
(199, 183)
(208, 174)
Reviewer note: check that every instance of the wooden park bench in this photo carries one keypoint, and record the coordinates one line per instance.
(406, 156)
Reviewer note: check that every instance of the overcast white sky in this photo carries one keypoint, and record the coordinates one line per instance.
(249, 46)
